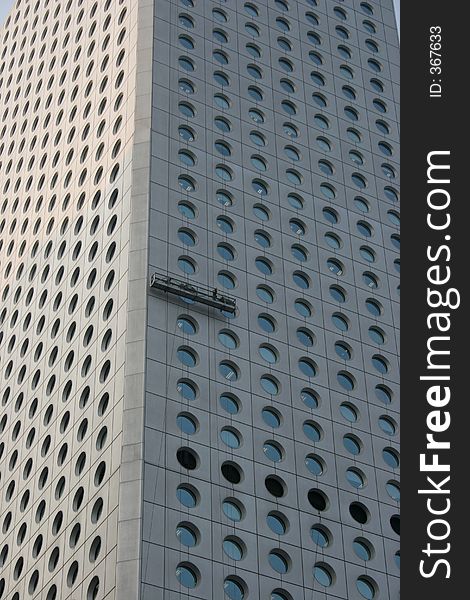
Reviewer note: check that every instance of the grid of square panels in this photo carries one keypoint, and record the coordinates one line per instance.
(66, 97)
(271, 436)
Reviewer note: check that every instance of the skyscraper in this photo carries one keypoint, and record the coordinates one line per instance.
(199, 300)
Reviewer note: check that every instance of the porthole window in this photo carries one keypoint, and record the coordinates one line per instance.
(349, 412)
(230, 437)
(284, 44)
(232, 472)
(271, 417)
(277, 523)
(268, 353)
(223, 148)
(377, 85)
(383, 393)
(226, 252)
(319, 100)
(333, 241)
(254, 71)
(379, 105)
(187, 389)
(367, 254)
(359, 512)
(315, 465)
(374, 307)
(366, 587)
(228, 339)
(309, 398)
(186, 237)
(352, 444)
(314, 38)
(265, 294)
(343, 350)
(225, 224)
(187, 158)
(293, 154)
(391, 194)
(186, 42)
(355, 478)
(220, 57)
(303, 308)
(187, 458)
(229, 403)
(290, 130)
(380, 364)
(251, 10)
(253, 50)
(186, 133)
(342, 32)
(279, 561)
(289, 107)
(270, 385)
(224, 198)
(323, 574)
(258, 162)
(320, 536)
(252, 29)
(315, 57)
(187, 575)
(283, 24)
(391, 457)
(307, 367)
(288, 86)
(219, 36)
(187, 356)
(348, 73)
(186, 63)
(351, 113)
(187, 495)
(262, 239)
(348, 92)
(187, 423)
(328, 191)
(223, 173)
(370, 280)
(259, 187)
(257, 138)
(382, 127)
(187, 535)
(186, 21)
(354, 135)
(233, 548)
(266, 323)
(377, 335)
(346, 380)
(222, 101)
(393, 490)
(299, 253)
(272, 451)
(234, 589)
(359, 180)
(363, 549)
(223, 124)
(374, 65)
(387, 425)
(321, 122)
(228, 371)
(226, 280)
(335, 266)
(232, 510)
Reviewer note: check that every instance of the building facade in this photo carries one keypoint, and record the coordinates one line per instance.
(230, 431)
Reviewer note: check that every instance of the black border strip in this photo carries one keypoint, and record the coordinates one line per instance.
(434, 124)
